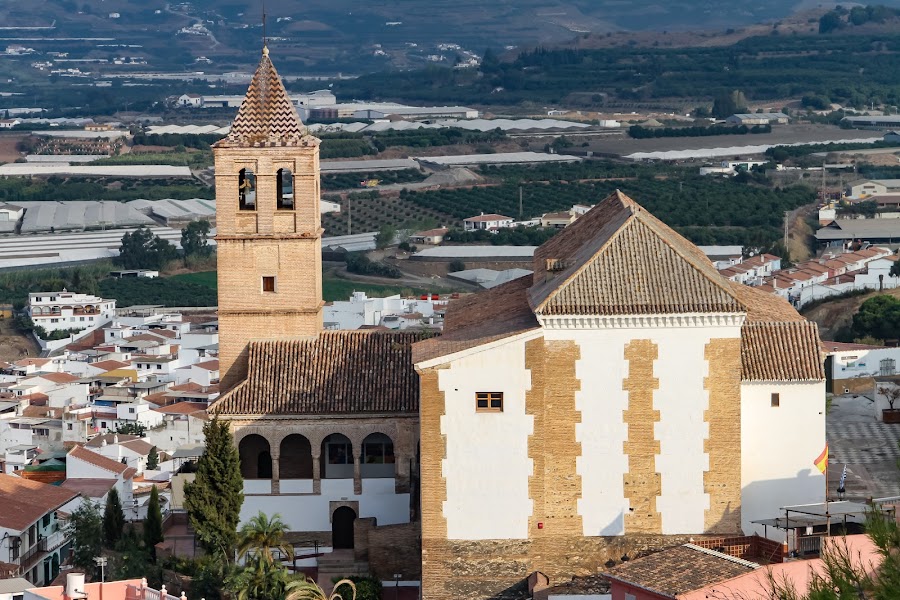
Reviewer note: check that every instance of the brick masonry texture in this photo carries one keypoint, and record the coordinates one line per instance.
(396, 549)
(433, 486)
(268, 241)
(723, 480)
(555, 487)
(642, 483)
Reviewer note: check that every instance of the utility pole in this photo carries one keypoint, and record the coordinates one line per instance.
(349, 216)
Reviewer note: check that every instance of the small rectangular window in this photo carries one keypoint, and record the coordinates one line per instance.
(489, 401)
(268, 284)
(776, 400)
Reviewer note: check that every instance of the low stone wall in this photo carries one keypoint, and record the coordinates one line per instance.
(390, 549)
(855, 385)
(498, 569)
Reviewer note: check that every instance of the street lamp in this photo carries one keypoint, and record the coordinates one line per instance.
(397, 577)
(101, 562)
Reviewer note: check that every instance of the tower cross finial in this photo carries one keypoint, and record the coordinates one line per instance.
(265, 37)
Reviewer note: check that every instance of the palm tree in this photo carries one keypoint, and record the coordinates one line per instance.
(263, 535)
(307, 589)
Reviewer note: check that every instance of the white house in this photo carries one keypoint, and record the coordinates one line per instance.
(126, 449)
(360, 310)
(9, 123)
(10, 212)
(182, 426)
(67, 310)
(190, 100)
(31, 538)
(83, 464)
(491, 222)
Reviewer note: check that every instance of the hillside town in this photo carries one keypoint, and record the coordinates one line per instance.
(592, 407)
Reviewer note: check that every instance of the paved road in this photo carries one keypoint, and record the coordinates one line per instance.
(868, 447)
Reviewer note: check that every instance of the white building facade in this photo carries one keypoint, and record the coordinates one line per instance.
(56, 311)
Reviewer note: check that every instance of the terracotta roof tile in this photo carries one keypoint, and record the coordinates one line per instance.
(267, 116)
(57, 377)
(679, 570)
(182, 408)
(337, 372)
(25, 501)
(92, 458)
(209, 365)
(89, 487)
(618, 259)
(486, 218)
(481, 318)
(786, 351)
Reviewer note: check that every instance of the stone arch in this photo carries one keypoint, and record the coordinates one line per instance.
(256, 457)
(246, 189)
(377, 458)
(284, 182)
(336, 459)
(295, 457)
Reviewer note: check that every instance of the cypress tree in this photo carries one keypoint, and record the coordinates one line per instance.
(153, 533)
(213, 500)
(113, 519)
(153, 459)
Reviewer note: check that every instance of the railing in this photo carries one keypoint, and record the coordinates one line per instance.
(810, 545)
(52, 542)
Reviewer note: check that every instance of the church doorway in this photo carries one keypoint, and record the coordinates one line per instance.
(342, 528)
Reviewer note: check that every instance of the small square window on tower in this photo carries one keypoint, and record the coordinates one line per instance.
(268, 283)
(776, 400)
(489, 401)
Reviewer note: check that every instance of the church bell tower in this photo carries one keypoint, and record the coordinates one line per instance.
(268, 225)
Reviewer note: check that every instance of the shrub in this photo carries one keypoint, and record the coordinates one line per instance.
(456, 266)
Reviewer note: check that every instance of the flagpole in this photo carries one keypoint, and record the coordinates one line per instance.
(827, 515)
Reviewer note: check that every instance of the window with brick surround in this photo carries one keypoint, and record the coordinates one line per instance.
(268, 284)
(489, 401)
(246, 190)
(776, 400)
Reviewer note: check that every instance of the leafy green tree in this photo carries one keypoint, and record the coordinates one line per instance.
(262, 535)
(830, 21)
(385, 237)
(153, 533)
(307, 589)
(141, 249)
(455, 266)
(728, 104)
(85, 529)
(193, 239)
(132, 429)
(153, 459)
(213, 500)
(259, 580)
(113, 518)
(895, 269)
(878, 317)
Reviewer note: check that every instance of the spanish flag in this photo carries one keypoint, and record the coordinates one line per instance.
(822, 462)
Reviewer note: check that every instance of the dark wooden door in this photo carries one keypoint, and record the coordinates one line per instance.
(342, 528)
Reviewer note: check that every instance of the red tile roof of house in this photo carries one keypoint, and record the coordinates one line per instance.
(89, 487)
(678, 570)
(109, 365)
(348, 372)
(25, 501)
(57, 377)
(27, 362)
(182, 408)
(209, 365)
(490, 217)
(98, 460)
